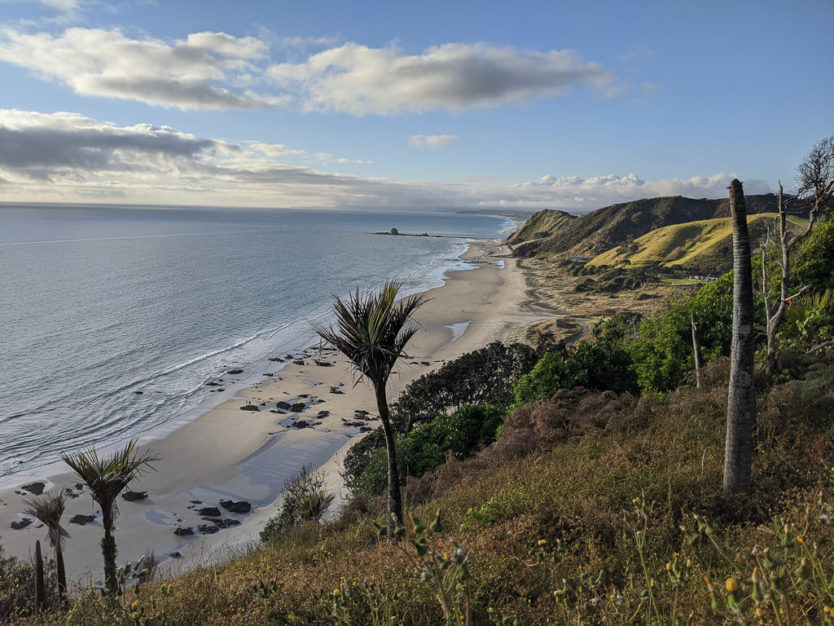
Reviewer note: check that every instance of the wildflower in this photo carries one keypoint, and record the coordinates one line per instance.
(542, 542)
(134, 615)
(799, 539)
(337, 592)
(134, 604)
(759, 612)
(731, 585)
(668, 566)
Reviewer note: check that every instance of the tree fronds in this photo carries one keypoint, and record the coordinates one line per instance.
(372, 329)
(49, 508)
(107, 477)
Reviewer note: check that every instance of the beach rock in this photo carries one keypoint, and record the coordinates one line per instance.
(138, 393)
(284, 406)
(176, 555)
(269, 374)
(393, 231)
(81, 520)
(236, 370)
(196, 501)
(183, 531)
(365, 429)
(209, 511)
(236, 507)
(301, 424)
(336, 390)
(133, 496)
(207, 529)
(225, 523)
(35, 488)
(323, 363)
(298, 407)
(19, 525)
(249, 407)
(212, 384)
(299, 362)
(69, 493)
(323, 413)
(277, 359)
(424, 363)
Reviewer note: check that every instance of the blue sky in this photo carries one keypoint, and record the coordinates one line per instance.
(522, 105)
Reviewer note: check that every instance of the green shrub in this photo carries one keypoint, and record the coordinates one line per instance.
(596, 366)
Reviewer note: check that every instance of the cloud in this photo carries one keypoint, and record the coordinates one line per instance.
(106, 63)
(431, 141)
(583, 194)
(63, 157)
(360, 80)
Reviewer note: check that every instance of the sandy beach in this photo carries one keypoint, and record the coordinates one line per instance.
(246, 448)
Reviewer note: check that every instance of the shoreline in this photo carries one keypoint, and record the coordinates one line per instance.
(246, 455)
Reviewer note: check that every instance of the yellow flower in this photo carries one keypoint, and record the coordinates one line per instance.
(799, 539)
(134, 615)
(337, 592)
(759, 612)
(134, 604)
(542, 542)
(731, 585)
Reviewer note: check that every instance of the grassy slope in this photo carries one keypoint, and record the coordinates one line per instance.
(702, 243)
(608, 227)
(554, 536)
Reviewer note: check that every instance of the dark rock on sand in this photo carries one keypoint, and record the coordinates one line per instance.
(323, 414)
(298, 407)
(209, 511)
(225, 523)
(324, 363)
(35, 488)
(236, 507)
(335, 390)
(212, 384)
(298, 362)
(81, 520)
(176, 555)
(133, 496)
(301, 424)
(183, 532)
(138, 393)
(207, 529)
(236, 370)
(284, 406)
(277, 359)
(19, 525)
(249, 407)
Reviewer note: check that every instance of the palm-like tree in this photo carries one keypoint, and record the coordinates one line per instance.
(106, 479)
(741, 398)
(49, 509)
(372, 330)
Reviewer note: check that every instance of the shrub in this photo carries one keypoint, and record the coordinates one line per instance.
(596, 366)
(304, 500)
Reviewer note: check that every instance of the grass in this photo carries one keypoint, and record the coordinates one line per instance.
(692, 244)
(591, 508)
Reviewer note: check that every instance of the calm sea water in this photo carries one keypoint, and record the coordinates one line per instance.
(99, 303)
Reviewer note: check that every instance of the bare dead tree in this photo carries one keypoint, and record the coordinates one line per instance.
(696, 349)
(816, 183)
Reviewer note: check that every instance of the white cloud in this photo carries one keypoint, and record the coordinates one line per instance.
(97, 62)
(431, 141)
(359, 80)
(66, 156)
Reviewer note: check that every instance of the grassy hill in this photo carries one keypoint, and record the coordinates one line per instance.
(559, 235)
(590, 508)
(702, 245)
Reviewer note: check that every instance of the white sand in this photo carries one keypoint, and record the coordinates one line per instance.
(232, 454)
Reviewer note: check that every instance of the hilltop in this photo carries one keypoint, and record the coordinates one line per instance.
(560, 235)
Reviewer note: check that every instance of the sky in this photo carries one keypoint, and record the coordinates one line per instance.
(430, 105)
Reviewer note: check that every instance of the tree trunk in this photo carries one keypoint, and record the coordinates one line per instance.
(395, 501)
(696, 349)
(62, 577)
(108, 551)
(40, 590)
(741, 400)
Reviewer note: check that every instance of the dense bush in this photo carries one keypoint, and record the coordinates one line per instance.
(814, 265)
(597, 366)
(460, 434)
(482, 377)
(17, 587)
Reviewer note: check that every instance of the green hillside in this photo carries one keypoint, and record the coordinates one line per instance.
(704, 245)
(556, 234)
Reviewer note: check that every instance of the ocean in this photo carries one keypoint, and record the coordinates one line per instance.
(113, 320)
